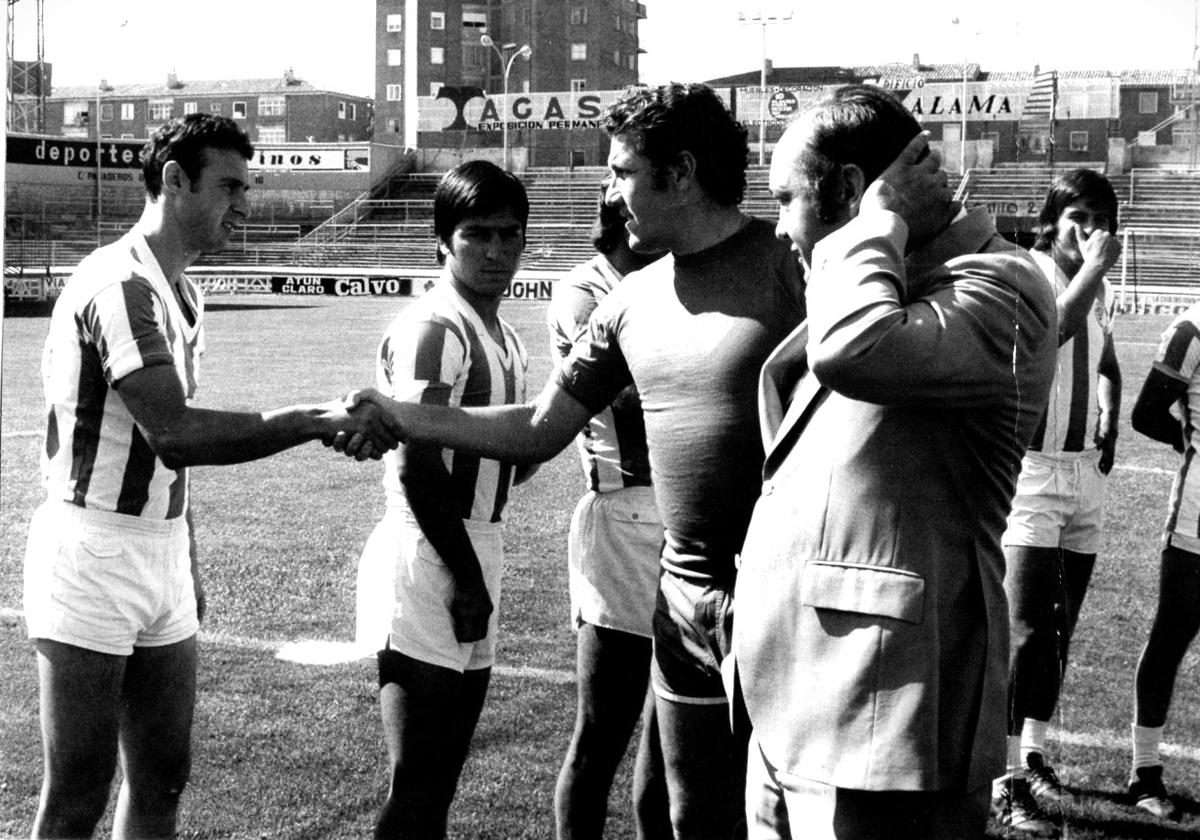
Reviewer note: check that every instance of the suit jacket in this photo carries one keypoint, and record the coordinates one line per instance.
(871, 638)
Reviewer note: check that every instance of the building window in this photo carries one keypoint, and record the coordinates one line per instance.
(239, 110)
(351, 111)
(76, 113)
(527, 17)
(214, 107)
(395, 23)
(271, 106)
(578, 85)
(579, 52)
(437, 55)
(160, 109)
(1148, 102)
(578, 15)
(437, 20)
(393, 125)
(474, 55)
(190, 108)
(393, 93)
(435, 88)
(617, 23)
(341, 110)
(1079, 141)
(126, 136)
(106, 112)
(473, 23)
(126, 111)
(617, 57)
(272, 134)
(395, 58)
(631, 61)
(631, 26)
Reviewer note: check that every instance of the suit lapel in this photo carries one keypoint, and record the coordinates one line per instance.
(788, 392)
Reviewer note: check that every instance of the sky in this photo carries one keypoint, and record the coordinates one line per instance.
(330, 44)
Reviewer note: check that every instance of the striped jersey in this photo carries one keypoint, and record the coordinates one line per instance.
(439, 351)
(612, 446)
(1178, 357)
(1069, 424)
(117, 314)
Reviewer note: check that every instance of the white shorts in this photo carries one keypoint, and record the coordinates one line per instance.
(1059, 502)
(1183, 511)
(405, 591)
(106, 581)
(613, 557)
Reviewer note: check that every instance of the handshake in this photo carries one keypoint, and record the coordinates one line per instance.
(362, 425)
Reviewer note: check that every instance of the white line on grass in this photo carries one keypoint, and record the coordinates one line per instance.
(324, 652)
(1137, 469)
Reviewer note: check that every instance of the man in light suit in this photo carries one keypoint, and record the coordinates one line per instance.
(872, 636)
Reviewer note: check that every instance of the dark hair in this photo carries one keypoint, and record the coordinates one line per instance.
(661, 122)
(608, 228)
(1076, 185)
(185, 140)
(476, 188)
(855, 124)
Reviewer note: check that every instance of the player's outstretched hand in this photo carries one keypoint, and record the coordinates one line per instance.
(1100, 249)
(914, 187)
(360, 429)
(470, 609)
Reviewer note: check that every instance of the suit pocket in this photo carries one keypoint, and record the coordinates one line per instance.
(869, 590)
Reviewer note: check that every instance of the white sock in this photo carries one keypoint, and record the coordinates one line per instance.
(1016, 761)
(1145, 746)
(1033, 737)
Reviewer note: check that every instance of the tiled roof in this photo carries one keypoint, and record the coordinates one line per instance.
(188, 87)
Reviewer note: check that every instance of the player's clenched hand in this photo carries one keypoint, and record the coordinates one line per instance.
(362, 431)
(470, 609)
(915, 188)
(1101, 248)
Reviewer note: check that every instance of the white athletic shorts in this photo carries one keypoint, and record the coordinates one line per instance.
(107, 581)
(405, 591)
(1059, 502)
(613, 557)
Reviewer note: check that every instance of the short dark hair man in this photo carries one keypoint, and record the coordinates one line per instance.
(691, 331)
(112, 592)
(432, 566)
(1053, 531)
(870, 642)
(612, 556)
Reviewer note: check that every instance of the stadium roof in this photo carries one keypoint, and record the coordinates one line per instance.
(174, 87)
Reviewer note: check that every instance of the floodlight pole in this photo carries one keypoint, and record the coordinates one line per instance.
(525, 51)
(763, 20)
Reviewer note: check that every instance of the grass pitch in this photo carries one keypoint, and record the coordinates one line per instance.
(287, 750)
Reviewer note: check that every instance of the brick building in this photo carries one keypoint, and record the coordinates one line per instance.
(285, 109)
(433, 48)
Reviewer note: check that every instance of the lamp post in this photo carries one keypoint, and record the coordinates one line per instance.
(507, 62)
(763, 20)
(962, 140)
(100, 88)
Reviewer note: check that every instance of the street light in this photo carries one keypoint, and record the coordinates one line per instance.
(962, 140)
(101, 88)
(763, 20)
(524, 52)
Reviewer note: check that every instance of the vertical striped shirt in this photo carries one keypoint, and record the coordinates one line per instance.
(1178, 357)
(116, 314)
(439, 351)
(612, 446)
(1069, 424)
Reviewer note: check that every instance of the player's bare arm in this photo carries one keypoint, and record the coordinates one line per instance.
(523, 434)
(182, 435)
(1100, 251)
(1108, 398)
(1152, 415)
